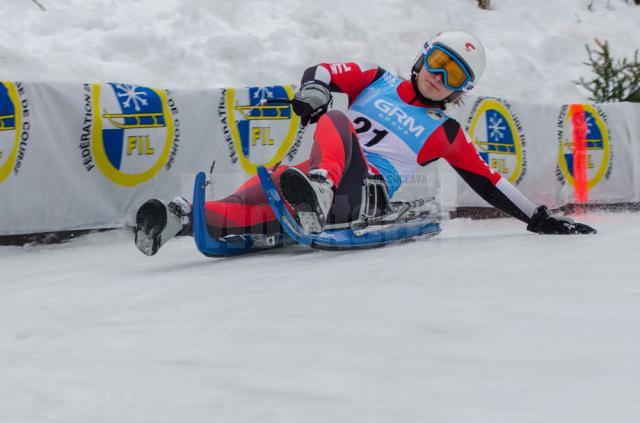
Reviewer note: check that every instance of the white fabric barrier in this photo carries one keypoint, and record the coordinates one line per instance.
(84, 156)
(531, 145)
(76, 156)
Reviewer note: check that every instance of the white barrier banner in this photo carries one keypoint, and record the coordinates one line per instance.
(84, 156)
(76, 156)
(532, 146)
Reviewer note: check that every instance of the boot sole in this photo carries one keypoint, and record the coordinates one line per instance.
(297, 191)
(151, 219)
(300, 195)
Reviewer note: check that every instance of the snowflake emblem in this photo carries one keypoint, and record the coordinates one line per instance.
(590, 123)
(497, 127)
(263, 93)
(131, 95)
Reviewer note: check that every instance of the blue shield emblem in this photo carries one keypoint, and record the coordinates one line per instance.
(498, 137)
(262, 128)
(133, 134)
(9, 128)
(597, 141)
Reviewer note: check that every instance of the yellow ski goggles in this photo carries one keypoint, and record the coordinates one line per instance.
(455, 75)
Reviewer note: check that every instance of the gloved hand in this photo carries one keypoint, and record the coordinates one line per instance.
(311, 102)
(543, 222)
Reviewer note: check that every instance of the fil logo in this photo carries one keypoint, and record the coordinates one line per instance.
(130, 132)
(469, 47)
(597, 145)
(338, 68)
(498, 137)
(260, 125)
(14, 127)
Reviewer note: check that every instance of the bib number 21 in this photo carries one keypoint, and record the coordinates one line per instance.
(363, 125)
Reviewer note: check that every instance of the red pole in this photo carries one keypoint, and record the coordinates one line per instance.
(580, 154)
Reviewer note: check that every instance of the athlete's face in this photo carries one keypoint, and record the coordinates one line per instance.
(431, 86)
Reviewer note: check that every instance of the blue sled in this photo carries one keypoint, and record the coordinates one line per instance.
(208, 245)
(341, 239)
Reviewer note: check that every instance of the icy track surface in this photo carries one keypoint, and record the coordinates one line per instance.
(486, 323)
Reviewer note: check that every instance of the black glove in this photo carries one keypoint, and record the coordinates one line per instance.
(543, 222)
(311, 102)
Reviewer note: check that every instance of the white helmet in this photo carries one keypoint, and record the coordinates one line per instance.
(465, 47)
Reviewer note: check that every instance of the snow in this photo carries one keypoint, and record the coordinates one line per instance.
(534, 49)
(485, 322)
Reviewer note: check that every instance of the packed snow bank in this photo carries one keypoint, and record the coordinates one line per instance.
(534, 49)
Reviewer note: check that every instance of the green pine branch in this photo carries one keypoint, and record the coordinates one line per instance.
(615, 80)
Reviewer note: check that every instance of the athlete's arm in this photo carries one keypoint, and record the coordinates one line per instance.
(452, 143)
(350, 78)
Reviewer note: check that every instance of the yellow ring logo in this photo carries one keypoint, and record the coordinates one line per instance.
(10, 124)
(597, 140)
(133, 132)
(255, 118)
(498, 136)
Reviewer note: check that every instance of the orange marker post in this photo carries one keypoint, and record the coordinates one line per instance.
(580, 174)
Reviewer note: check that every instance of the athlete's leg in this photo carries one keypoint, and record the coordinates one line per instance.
(246, 210)
(335, 149)
(337, 152)
(348, 189)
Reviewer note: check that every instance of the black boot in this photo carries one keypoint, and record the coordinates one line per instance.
(310, 195)
(157, 223)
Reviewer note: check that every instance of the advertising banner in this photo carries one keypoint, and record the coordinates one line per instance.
(85, 156)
